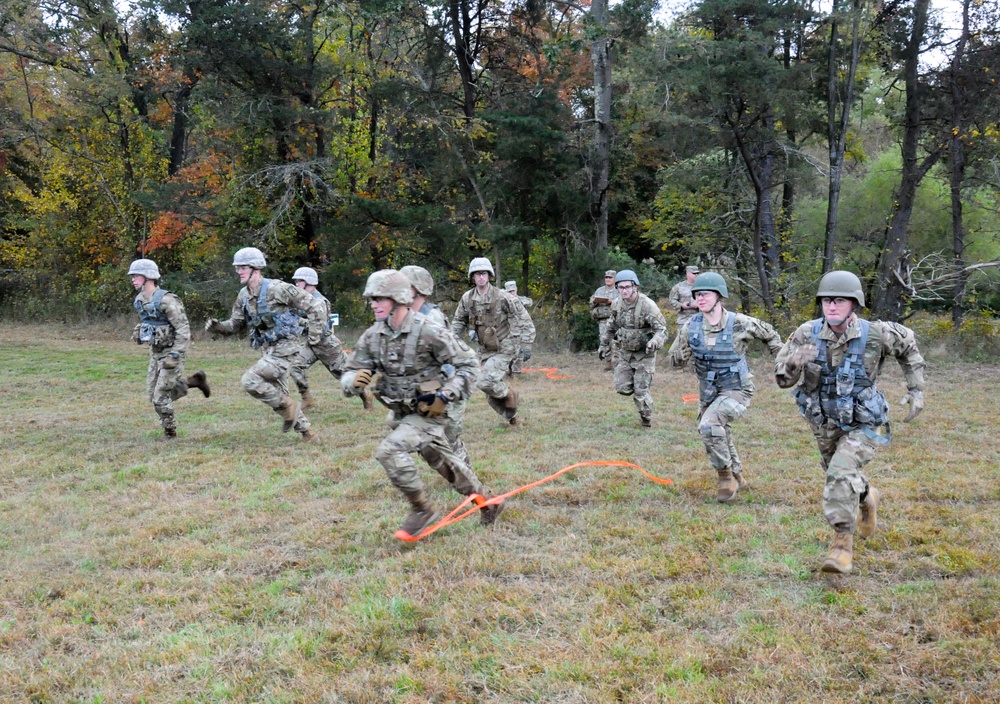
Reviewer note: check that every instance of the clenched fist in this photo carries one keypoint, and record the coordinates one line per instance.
(363, 378)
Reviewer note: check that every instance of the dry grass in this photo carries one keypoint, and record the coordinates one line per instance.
(236, 564)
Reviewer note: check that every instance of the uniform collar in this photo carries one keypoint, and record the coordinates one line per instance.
(853, 330)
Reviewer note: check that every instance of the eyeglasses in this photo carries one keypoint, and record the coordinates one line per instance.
(624, 287)
(701, 294)
(834, 301)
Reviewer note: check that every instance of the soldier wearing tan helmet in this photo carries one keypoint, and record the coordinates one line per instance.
(836, 362)
(502, 327)
(329, 351)
(600, 312)
(163, 325)
(422, 369)
(272, 311)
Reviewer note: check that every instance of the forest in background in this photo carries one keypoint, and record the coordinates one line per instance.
(772, 141)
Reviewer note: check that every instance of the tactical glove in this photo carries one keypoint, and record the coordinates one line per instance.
(602, 353)
(800, 357)
(212, 325)
(525, 353)
(363, 378)
(915, 398)
(431, 405)
(651, 347)
(172, 360)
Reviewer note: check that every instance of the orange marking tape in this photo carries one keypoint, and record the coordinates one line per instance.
(480, 502)
(689, 398)
(550, 372)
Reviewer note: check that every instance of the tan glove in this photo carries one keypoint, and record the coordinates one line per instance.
(431, 405)
(363, 378)
(915, 399)
(172, 360)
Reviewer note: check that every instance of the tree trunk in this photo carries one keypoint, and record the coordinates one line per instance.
(958, 171)
(600, 56)
(461, 31)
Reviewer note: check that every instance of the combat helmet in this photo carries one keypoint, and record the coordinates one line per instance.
(249, 256)
(480, 264)
(419, 278)
(844, 284)
(626, 275)
(389, 283)
(144, 267)
(307, 274)
(710, 281)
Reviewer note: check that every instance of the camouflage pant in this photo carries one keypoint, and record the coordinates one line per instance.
(267, 380)
(633, 377)
(844, 454)
(454, 420)
(602, 325)
(164, 386)
(412, 432)
(329, 351)
(492, 373)
(715, 426)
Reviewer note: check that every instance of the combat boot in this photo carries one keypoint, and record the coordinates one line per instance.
(646, 421)
(740, 481)
(728, 486)
(488, 514)
(368, 399)
(496, 404)
(288, 410)
(198, 380)
(510, 407)
(169, 433)
(421, 515)
(308, 435)
(307, 399)
(867, 522)
(841, 554)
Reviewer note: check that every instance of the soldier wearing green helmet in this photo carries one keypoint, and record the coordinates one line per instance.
(717, 339)
(836, 360)
(637, 329)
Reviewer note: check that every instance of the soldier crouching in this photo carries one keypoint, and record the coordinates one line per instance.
(411, 352)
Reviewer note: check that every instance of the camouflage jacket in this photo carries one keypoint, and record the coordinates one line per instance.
(500, 321)
(281, 297)
(420, 357)
(745, 329)
(178, 339)
(680, 295)
(634, 325)
(598, 309)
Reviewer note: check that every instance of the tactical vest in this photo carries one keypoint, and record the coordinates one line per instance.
(267, 328)
(151, 317)
(631, 337)
(721, 367)
(487, 318)
(399, 391)
(845, 395)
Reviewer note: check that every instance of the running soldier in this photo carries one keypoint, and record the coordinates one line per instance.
(329, 351)
(682, 299)
(600, 312)
(638, 328)
(423, 370)
(163, 325)
(718, 340)
(838, 358)
(525, 353)
(502, 327)
(271, 310)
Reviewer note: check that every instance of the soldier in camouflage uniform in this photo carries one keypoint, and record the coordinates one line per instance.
(638, 328)
(600, 312)
(682, 299)
(838, 358)
(163, 325)
(272, 311)
(525, 352)
(423, 370)
(330, 350)
(422, 286)
(503, 328)
(718, 340)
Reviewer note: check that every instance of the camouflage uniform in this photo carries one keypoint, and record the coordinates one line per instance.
(421, 357)
(600, 313)
(723, 397)
(502, 327)
(632, 326)
(267, 380)
(680, 295)
(165, 380)
(845, 448)
(329, 351)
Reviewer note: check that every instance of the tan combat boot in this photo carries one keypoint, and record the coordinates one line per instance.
(307, 399)
(198, 380)
(421, 515)
(841, 554)
(288, 410)
(510, 407)
(308, 435)
(740, 480)
(868, 522)
(368, 399)
(728, 486)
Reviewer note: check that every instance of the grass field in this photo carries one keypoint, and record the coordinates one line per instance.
(237, 564)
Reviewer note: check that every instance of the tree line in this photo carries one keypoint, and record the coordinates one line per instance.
(773, 141)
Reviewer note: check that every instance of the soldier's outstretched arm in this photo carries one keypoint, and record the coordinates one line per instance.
(793, 356)
(237, 321)
(900, 341)
(359, 361)
(173, 309)
(680, 350)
